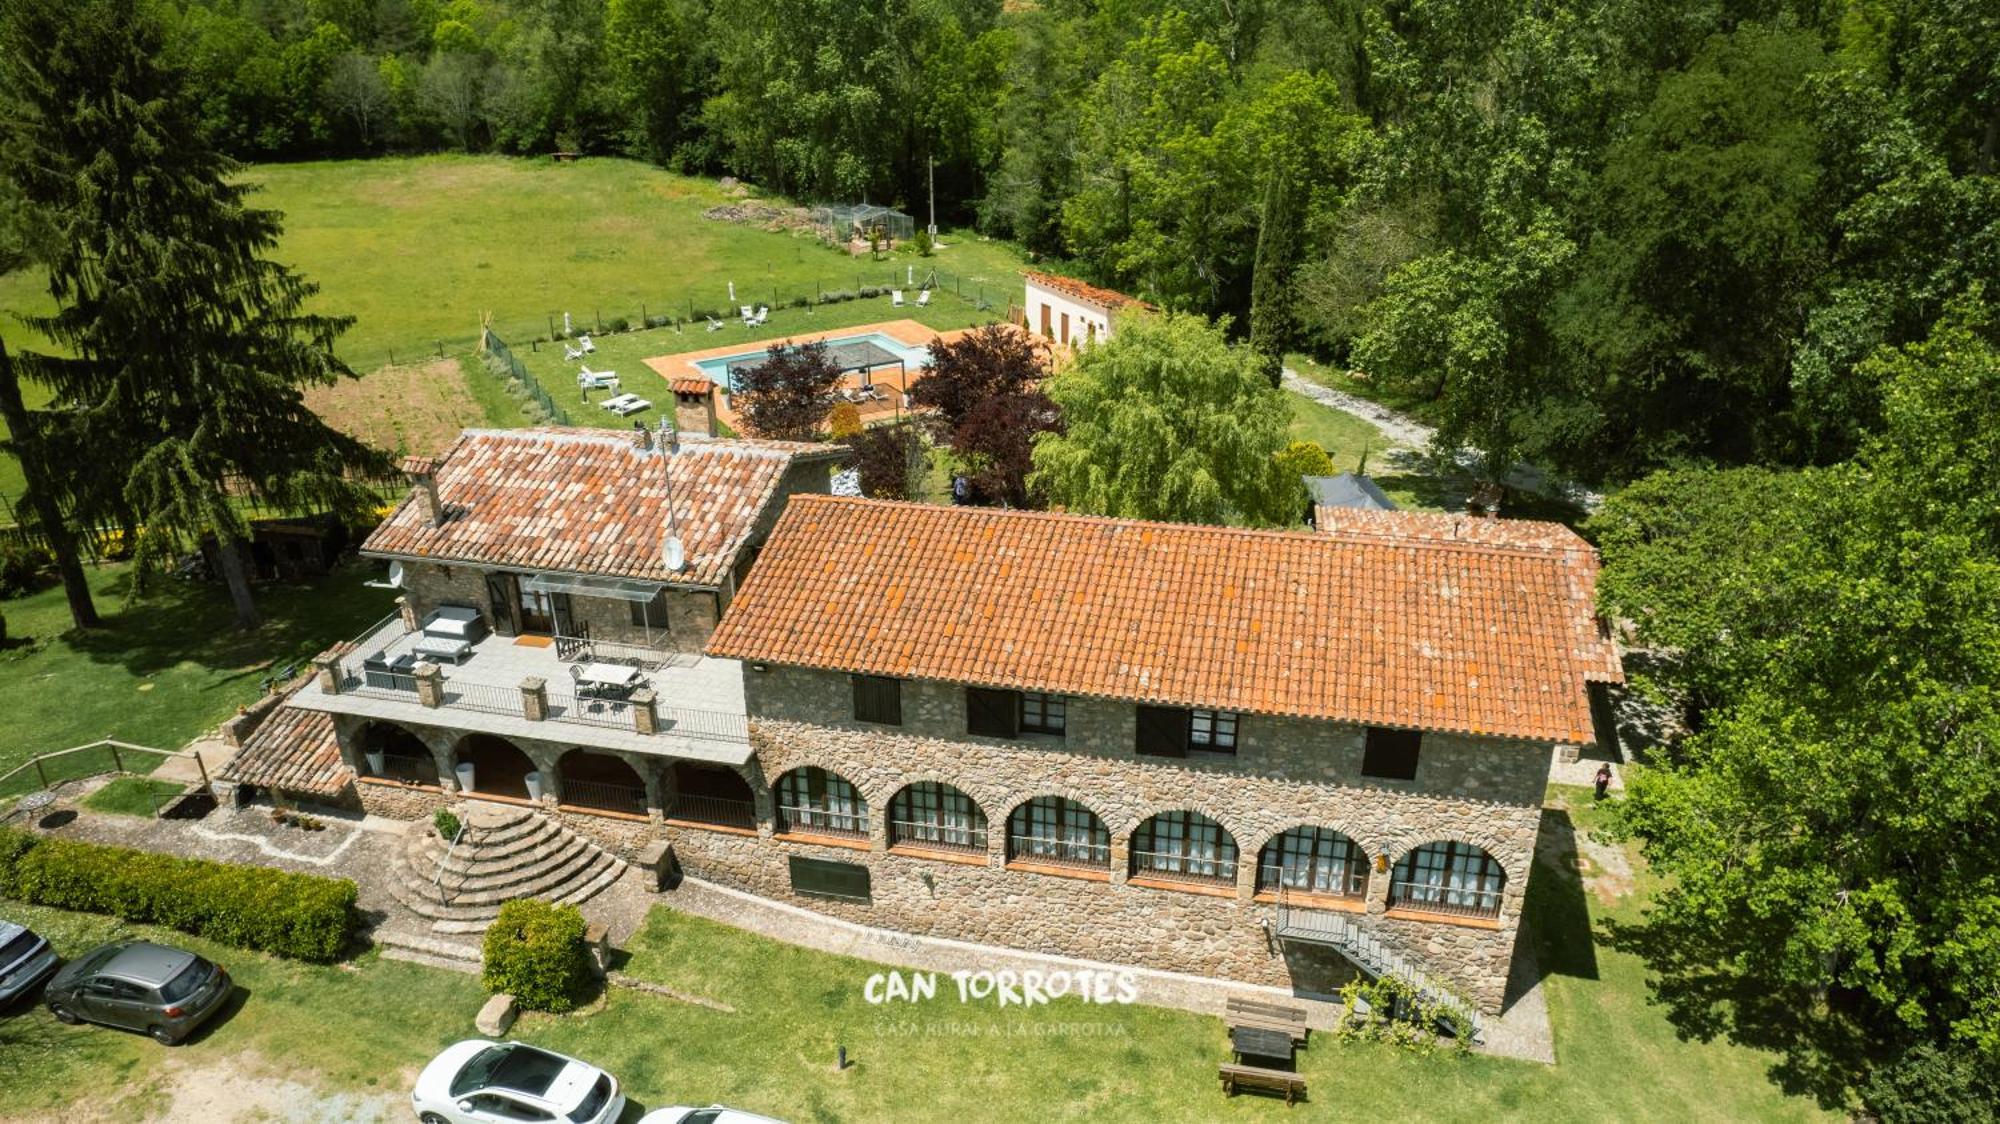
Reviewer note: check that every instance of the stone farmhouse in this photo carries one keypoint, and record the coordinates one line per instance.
(1271, 757)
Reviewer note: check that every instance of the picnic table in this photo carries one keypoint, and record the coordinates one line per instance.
(1261, 1046)
(626, 404)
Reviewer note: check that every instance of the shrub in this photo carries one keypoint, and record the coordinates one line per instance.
(620, 324)
(3, 628)
(1932, 1085)
(835, 296)
(871, 291)
(1305, 458)
(844, 421)
(1387, 1009)
(446, 824)
(21, 567)
(535, 952)
(299, 916)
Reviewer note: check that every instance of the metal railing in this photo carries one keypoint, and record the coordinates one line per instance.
(823, 821)
(409, 769)
(482, 697)
(1349, 880)
(942, 836)
(605, 796)
(1182, 866)
(718, 810)
(1439, 897)
(1058, 852)
(589, 710)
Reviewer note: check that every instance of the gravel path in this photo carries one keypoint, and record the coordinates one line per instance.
(1405, 430)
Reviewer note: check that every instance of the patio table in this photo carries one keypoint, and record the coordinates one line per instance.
(608, 674)
(1271, 1049)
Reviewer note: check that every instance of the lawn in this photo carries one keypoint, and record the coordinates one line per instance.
(364, 1028)
(165, 666)
(133, 796)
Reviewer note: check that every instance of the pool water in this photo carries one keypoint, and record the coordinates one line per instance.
(916, 358)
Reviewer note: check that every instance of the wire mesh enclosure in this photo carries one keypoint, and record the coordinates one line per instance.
(849, 222)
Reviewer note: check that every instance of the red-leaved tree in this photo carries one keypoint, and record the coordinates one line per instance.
(983, 387)
(788, 395)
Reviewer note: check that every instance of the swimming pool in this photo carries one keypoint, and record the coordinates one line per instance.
(850, 351)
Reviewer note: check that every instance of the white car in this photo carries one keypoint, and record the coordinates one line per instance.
(481, 1082)
(713, 1114)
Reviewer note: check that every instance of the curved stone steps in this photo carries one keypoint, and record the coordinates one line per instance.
(505, 853)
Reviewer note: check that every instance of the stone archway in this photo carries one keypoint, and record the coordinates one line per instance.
(498, 765)
(393, 753)
(602, 782)
(713, 795)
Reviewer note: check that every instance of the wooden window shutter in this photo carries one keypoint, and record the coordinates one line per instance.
(992, 713)
(878, 699)
(1162, 731)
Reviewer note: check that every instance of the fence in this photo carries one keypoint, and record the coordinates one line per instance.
(497, 348)
(48, 770)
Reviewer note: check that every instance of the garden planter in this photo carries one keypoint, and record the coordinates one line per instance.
(534, 783)
(377, 763)
(465, 777)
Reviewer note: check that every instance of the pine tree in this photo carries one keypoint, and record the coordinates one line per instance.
(1271, 279)
(188, 349)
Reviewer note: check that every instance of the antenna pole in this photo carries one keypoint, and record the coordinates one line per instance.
(931, 163)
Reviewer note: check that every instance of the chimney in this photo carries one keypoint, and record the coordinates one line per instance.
(642, 438)
(422, 472)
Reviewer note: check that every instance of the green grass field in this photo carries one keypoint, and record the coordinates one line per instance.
(419, 249)
(165, 666)
(133, 796)
(364, 1029)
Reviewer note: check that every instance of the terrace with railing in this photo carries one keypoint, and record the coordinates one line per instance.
(675, 704)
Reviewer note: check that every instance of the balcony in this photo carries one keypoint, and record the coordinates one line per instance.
(696, 710)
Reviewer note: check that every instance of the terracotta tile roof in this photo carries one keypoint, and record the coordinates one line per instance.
(1110, 299)
(1411, 631)
(691, 385)
(294, 750)
(587, 501)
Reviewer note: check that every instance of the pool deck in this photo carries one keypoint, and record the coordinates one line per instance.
(907, 332)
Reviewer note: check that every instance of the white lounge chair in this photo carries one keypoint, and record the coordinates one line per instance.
(583, 342)
(923, 298)
(896, 298)
(714, 325)
(747, 312)
(596, 380)
(757, 318)
(571, 354)
(626, 404)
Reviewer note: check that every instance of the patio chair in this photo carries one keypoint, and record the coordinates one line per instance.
(896, 298)
(584, 343)
(571, 354)
(714, 325)
(583, 690)
(746, 311)
(924, 298)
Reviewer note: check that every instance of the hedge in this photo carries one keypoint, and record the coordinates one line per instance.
(535, 952)
(299, 916)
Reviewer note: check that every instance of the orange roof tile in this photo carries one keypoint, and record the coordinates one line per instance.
(588, 501)
(689, 384)
(293, 750)
(1109, 299)
(1409, 630)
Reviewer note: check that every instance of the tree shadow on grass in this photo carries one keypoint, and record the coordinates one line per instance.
(175, 622)
(1707, 995)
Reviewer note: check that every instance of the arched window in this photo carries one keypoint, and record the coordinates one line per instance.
(1183, 847)
(938, 816)
(603, 781)
(400, 754)
(815, 800)
(1053, 829)
(1449, 878)
(1313, 860)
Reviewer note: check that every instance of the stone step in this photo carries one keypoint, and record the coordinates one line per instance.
(549, 861)
(468, 858)
(580, 863)
(429, 950)
(515, 833)
(587, 872)
(578, 896)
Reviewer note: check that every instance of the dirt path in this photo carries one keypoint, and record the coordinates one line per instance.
(208, 1088)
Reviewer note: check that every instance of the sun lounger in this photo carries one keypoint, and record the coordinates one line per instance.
(583, 342)
(626, 404)
(896, 298)
(571, 354)
(596, 380)
(746, 311)
(714, 325)
(923, 298)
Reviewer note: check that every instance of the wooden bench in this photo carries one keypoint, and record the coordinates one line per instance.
(1236, 1077)
(1269, 1016)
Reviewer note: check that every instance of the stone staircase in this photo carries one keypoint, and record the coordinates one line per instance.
(503, 852)
(1366, 951)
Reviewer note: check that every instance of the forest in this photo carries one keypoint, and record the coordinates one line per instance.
(1608, 237)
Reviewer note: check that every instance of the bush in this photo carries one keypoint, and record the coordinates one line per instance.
(446, 824)
(299, 916)
(872, 291)
(3, 628)
(844, 421)
(620, 324)
(1932, 1085)
(535, 952)
(835, 296)
(21, 567)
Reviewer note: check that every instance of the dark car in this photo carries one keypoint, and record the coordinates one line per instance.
(163, 991)
(24, 960)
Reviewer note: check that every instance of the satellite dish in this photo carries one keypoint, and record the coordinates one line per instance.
(396, 574)
(672, 553)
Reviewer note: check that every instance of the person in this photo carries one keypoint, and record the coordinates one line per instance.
(961, 490)
(1603, 779)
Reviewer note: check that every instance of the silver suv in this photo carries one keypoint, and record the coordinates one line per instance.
(163, 991)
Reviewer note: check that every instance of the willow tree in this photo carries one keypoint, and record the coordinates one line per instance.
(1168, 420)
(187, 348)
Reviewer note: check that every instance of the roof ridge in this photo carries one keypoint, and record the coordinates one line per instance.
(1255, 533)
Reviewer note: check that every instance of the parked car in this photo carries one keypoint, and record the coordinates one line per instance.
(480, 1082)
(25, 960)
(713, 1114)
(166, 992)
